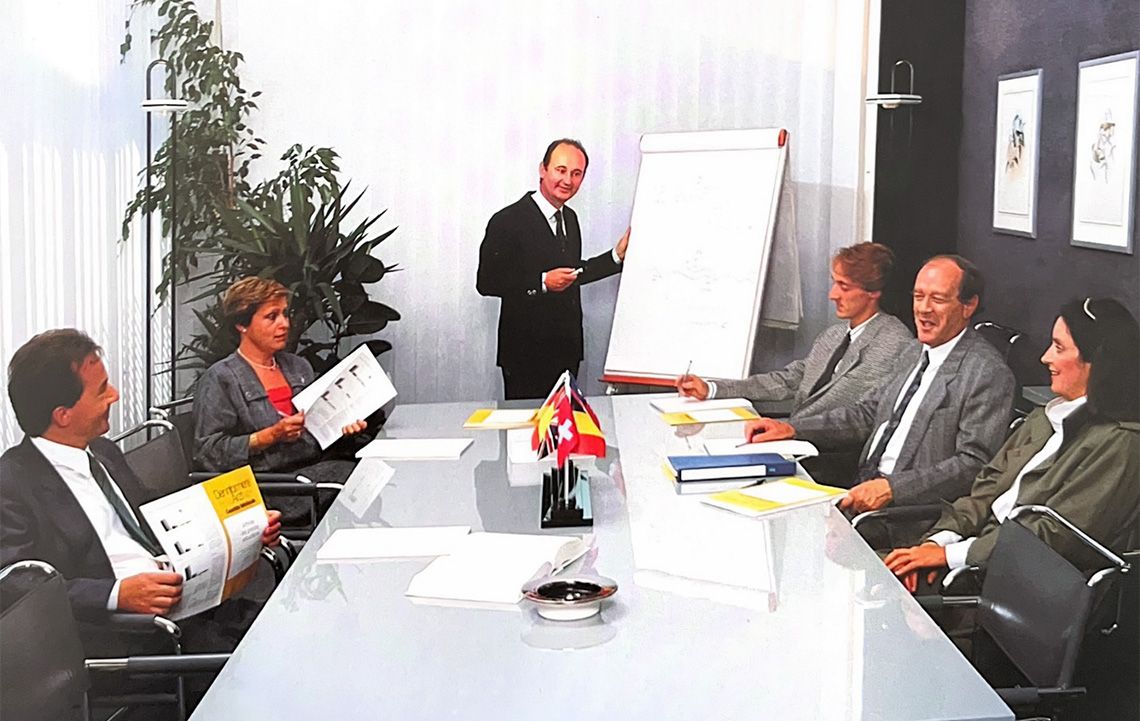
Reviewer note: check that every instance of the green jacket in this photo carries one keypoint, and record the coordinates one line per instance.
(1093, 481)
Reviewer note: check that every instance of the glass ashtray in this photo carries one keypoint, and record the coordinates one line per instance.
(569, 598)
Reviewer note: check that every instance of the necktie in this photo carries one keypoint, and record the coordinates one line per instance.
(829, 370)
(560, 230)
(870, 467)
(137, 532)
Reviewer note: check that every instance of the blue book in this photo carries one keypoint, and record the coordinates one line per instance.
(740, 465)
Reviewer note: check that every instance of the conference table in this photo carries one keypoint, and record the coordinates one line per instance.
(717, 616)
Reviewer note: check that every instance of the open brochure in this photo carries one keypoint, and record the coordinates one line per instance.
(774, 496)
(354, 389)
(493, 567)
(211, 534)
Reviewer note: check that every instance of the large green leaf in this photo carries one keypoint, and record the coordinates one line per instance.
(372, 317)
(362, 268)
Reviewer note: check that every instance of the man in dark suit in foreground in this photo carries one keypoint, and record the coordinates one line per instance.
(62, 499)
(531, 258)
(930, 428)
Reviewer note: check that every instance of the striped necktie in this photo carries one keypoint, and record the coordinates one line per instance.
(870, 467)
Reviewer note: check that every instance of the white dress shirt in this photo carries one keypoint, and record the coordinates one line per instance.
(550, 213)
(853, 333)
(937, 356)
(1057, 410)
(126, 555)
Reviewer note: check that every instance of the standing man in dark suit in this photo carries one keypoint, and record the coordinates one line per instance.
(531, 258)
(61, 488)
(939, 420)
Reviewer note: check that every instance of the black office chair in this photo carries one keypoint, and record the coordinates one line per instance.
(895, 526)
(161, 465)
(45, 674)
(1034, 612)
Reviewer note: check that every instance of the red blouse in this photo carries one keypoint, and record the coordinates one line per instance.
(282, 399)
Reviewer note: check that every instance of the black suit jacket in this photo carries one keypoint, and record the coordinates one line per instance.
(41, 520)
(518, 248)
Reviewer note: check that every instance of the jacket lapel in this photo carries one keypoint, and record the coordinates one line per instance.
(68, 516)
(935, 394)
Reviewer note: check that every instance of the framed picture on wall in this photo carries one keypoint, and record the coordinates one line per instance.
(1104, 172)
(1016, 144)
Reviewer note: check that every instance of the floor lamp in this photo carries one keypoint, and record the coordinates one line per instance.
(151, 106)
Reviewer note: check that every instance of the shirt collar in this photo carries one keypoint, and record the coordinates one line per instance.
(1058, 409)
(856, 330)
(543, 204)
(939, 354)
(58, 454)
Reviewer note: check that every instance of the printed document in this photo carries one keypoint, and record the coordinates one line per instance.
(211, 533)
(354, 389)
(792, 450)
(415, 448)
(364, 544)
(363, 485)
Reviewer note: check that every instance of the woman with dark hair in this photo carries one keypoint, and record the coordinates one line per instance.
(243, 404)
(1079, 455)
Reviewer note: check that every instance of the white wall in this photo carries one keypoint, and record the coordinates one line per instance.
(443, 108)
(71, 144)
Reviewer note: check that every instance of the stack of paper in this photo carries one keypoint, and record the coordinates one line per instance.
(501, 418)
(774, 496)
(681, 411)
(415, 448)
(493, 567)
(363, 544)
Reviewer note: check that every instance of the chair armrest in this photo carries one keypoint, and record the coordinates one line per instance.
(969, 572)
(1028, 696)
(162, 664)
(937, 603)
(898, 513)
(142, 623)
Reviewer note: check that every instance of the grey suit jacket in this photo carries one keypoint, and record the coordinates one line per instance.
(959, 426)
(867, 364)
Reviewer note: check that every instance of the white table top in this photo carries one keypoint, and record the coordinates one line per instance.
(717, 616)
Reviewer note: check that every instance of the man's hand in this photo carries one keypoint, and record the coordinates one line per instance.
(559, 279)
(693, 387)
(767, 429)
(271, 536)
(868, 496)
(152, 593)
(353, 428)
(907, 563)
(622, 245)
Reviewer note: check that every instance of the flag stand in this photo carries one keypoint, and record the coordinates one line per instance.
(566, 497)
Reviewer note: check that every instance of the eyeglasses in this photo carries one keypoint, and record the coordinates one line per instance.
(1088, 312)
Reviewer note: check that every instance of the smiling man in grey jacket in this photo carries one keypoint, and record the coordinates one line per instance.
(847, 360)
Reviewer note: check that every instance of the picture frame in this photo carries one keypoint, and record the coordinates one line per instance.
(1017, 143)
(1104, 158)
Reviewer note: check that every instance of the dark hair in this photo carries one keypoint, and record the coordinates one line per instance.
(245, 296)
(868, 264)
(1107, 337)
(44, 375)
(972, 285)
(565, 141)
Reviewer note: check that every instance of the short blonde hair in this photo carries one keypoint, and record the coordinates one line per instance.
(245, 296)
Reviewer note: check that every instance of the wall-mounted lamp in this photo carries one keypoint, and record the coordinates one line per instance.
(162, 106)
(894, 99)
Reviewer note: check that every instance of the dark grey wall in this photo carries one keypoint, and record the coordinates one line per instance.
(1029, 279)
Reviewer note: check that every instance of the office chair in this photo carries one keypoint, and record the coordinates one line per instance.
(47, 678)
(161, 465)
(1035, 610)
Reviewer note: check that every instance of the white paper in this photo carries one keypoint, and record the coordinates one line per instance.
(493, 567)
(353, 390)
(714, 416)
(362, 544)
(415, 448)
(784, 493)
(794, 450)
(363, 485)
(187, 527)
(519, 444)
(679, 404)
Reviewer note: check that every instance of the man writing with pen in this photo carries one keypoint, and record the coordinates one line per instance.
(531, 259)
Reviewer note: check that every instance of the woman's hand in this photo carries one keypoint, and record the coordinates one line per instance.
(286, 430)
(353, 428)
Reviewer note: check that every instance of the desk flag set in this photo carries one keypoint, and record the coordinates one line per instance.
(566, 425)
